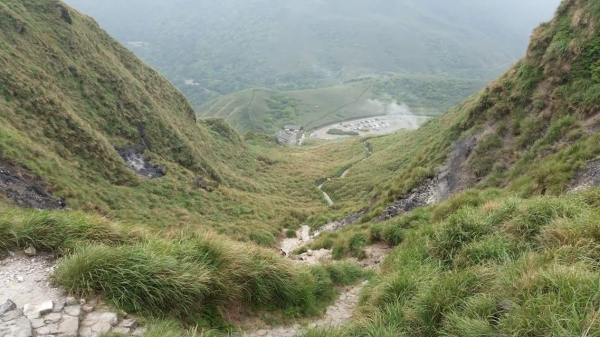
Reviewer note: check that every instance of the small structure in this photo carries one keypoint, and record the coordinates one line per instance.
(284, 138)
(292, 128)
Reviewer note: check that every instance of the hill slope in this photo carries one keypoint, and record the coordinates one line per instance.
(74, 102)
(144, 189)
(266, 110)
(493, 207)
(486, 241)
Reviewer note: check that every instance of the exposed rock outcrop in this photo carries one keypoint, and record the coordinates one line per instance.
(587, 177)
(24, 189)
(135, 160)
(450, 179)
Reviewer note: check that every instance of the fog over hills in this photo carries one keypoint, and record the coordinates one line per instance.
(221, 47)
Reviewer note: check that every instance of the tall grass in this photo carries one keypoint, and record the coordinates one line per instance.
(55, 231)
(510, 266)
(195, 278)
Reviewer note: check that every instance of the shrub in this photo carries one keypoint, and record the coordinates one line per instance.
(357, 244)
(263, 238)
(290, 233)
(54, 231)
(197, 277)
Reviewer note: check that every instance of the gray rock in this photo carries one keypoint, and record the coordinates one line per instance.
(90, 319)
(11, 315)
(22, 328)
(96, 323)
(71, 301)
(110, 318)
(100, 328)
(53, 328)
(59, 305)
(74, 310)
(68, 327)
(129, 323)
(44, 330)
(85, 331)
(8, 306)
(36, 311)
(37, 323)
(87, 308)
(52, 318)
(30, 251)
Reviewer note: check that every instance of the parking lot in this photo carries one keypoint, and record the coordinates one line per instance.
(372, 126)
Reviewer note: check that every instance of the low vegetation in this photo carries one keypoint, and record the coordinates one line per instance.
(266, 110)
(338, 132)
(195, 278)
(485, 264)
(192, 277)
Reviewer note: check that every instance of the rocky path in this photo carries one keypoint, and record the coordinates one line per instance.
(30, 306)
(342, 310)
(344, 174)
(326, 196)
(338, 314)
(288, 245)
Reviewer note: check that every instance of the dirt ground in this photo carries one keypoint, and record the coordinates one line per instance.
(25, 279)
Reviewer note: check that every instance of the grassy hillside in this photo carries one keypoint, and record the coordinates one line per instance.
(72, 99)
(266, 110)
(543, 110)
(514, 254)
(71, 96)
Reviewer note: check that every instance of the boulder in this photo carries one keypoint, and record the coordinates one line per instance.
(31, 251)
(8, 306)
(69, 327)
(54, 317)
(74, 310)
(37, 311)
(59, 306)
(71, 301)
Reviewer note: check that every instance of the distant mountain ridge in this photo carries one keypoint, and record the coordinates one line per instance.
(231, 45)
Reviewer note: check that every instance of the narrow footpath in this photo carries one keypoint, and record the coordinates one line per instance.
(342, 310)
(344, 174)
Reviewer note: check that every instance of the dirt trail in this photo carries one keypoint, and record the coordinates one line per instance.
(344, 174)
(30, 306)
(342, 310)
(336, 315)
(325, 195)
(288, 245)
(25, 280)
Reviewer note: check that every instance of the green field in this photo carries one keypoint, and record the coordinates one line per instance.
(249, 110)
